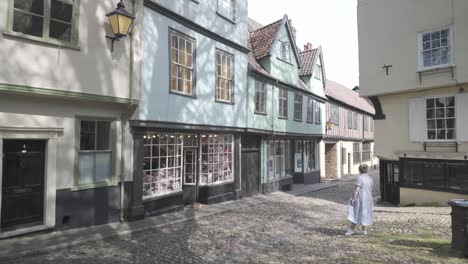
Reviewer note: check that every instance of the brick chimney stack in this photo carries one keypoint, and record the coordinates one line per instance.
(308, 46)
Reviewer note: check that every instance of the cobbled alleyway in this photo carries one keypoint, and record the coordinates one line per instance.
(305, 229)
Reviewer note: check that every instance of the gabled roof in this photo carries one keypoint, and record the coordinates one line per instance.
(262, 39)
(308, 61)
(345, 95)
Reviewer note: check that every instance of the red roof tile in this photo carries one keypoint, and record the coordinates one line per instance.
(262, 38)
(307, 58)
(347, 96)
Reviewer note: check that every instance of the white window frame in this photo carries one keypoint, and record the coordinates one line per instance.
(149, 179)
(225, 62)
(260, 97)
(421, 66)
(284, 51)
(232, 10)
(211, 146)
(445, 118)
(283, 103)
(175, 64)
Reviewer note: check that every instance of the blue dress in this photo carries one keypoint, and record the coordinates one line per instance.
(362, 213)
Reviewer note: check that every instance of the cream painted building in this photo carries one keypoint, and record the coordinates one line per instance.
(65, 99)
(350, 141)
(413, 64)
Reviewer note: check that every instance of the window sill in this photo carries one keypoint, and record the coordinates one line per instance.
(42, 40)
(93, 186)
(285, 61)
(211, 185)
(193, 96)
(282, 117)
(226, 18)
(260, 113)
(436, 68)
(224, 102)
(298, 120)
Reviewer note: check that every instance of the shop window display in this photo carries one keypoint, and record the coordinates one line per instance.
(162, 168)
(217, 159)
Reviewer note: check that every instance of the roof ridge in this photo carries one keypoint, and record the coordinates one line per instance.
(266, 25)
(304, 51)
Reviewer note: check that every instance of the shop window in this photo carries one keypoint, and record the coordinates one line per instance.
(310, 153)
(95, 153)
(366, 152)
(162, 164)
(356, 153)
(53, 21)
(190, 141)
(451, 176)
(278, 159)
(217, 159)
(298, 155)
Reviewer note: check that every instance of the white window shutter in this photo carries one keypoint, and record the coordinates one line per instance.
(417, 119)
(461, 112)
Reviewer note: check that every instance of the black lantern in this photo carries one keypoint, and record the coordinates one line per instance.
(121, 22)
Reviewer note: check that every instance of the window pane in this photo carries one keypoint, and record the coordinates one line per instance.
(436, 57)
(431, 124)
(103, 167)
(103, 135)
(430, 113)
(441, 134)
(440, 113)
(441, 123)
(86, 166)
(440, 102)
(87, 135)
(32, 6)
(450, 123)
(450, 101)
(427, 59)
(431, 134)
(451, 134)
(27, 24)
(61, 10)
(60, 31)
(430, 103)
(426, 37)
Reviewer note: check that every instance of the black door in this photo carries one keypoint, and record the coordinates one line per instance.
(389, 181)
(23, 183)
(190, 175)
(250, 172)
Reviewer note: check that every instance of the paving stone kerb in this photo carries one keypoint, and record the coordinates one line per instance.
(28, 245)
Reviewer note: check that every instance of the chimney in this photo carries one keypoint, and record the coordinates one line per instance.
(308, 46)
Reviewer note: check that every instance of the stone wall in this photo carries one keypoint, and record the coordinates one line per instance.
(331, 161)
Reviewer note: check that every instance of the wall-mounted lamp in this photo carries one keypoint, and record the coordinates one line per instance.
(121, 22)
(329, 124)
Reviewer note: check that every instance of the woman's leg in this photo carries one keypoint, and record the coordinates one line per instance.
(352, 226)
(363, 228)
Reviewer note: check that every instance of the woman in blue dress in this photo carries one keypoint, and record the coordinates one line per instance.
(361, 203)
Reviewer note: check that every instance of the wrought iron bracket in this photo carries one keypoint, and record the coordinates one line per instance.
(113, 39)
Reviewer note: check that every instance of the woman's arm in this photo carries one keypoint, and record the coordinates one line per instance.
(355, 193)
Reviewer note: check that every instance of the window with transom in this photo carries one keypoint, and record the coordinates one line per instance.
(440, 115)
(54, 21)
(224, 76)
(182, 61)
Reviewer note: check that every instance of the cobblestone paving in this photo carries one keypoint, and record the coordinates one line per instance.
(307, 229)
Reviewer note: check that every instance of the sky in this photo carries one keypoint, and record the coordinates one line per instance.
(331, 24)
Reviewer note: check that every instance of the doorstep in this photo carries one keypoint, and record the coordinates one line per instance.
(46, 242)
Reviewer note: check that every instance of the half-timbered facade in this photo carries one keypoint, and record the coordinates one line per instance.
(349, 141)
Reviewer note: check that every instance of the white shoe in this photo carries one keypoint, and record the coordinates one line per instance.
(364, 233)
(349, 232)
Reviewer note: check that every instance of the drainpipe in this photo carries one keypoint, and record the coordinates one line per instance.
(124, 118)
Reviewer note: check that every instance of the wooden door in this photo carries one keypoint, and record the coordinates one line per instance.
(190, 175)
(23, 183)
(250, 172)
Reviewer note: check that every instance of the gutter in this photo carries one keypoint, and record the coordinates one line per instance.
(124, 118)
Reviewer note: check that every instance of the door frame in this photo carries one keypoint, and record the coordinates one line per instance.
(50, 136)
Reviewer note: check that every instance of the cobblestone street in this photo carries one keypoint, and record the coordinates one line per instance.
(306, 229)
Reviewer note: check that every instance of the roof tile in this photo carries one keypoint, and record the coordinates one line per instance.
(307, 58)
(347, 96)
